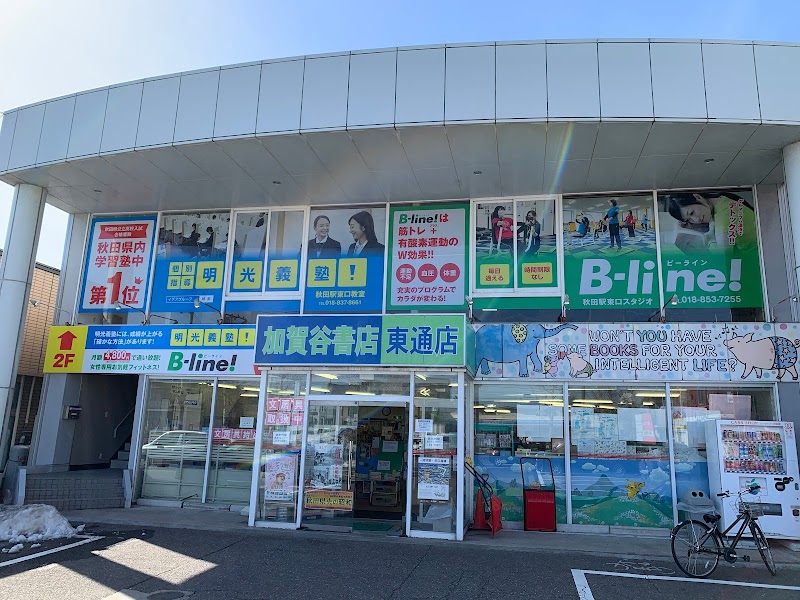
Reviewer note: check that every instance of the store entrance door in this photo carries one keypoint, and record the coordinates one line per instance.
(354, 465)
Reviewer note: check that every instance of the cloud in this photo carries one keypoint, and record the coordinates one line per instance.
(589, 466)
(601, 469)
(683, 467)
(658, 476)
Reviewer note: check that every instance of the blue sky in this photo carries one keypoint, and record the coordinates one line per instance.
(55, 47)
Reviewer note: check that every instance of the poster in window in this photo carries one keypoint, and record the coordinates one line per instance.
(433, 481)
(709, 248)
(516, 244)
(190, 263)
(249, 251)
(346, 259)
(610, 246)
(326, 471)
(280, 477)
(117, 267)
(427, 257)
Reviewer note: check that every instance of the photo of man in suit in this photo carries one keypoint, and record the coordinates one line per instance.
(322, 246)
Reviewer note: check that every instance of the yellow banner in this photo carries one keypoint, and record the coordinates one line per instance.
(65, 349)
(328, 500)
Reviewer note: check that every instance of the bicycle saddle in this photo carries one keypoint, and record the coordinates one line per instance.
(711, 519)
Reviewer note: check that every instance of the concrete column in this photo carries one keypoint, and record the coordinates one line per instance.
(52, 434)
(791, 168)
(16, 276)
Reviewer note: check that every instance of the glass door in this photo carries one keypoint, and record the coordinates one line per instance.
(329, 465)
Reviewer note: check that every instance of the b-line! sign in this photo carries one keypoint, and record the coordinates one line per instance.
(153, 350)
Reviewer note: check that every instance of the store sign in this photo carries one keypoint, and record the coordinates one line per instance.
(427, 259)
(153, 350)
(644, 352)
(327, 499)
(435, 340)
(117, 267)
(612, 265)
(709, 244)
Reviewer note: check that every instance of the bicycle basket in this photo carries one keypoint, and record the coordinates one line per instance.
(761, 509)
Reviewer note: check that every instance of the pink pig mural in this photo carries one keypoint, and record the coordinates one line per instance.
(768, 353)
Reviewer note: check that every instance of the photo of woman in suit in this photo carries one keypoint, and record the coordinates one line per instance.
(365, 243)
(321, 245)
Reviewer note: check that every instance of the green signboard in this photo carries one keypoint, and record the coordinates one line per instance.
(516, 245)
(709, 249)
(610, 252)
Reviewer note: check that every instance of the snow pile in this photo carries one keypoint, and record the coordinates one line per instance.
(32, 523)
(13, 550)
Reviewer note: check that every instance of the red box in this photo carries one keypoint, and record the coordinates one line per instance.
(540, 510)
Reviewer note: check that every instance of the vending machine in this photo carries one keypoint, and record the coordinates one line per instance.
(744, 453)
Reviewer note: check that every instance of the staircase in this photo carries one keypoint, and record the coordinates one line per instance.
(75, 490)
(120, 461)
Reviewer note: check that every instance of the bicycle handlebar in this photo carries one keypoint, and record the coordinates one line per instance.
(751, 489)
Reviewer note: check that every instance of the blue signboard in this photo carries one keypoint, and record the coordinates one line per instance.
(345, 268)
(436, 340)
(190, 263)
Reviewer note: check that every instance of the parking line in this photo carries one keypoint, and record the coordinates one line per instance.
(91, 538)
(585, 592)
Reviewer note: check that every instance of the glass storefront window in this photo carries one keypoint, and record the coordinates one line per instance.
(360, 384)
(232, 438)
(514, 421)
(620, 473)
(435, 453)
(175, 431)
(280, 446)
(691, 408)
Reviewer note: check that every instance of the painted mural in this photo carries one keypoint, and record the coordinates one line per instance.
(621, 492)
(708, 352)
(505, 475)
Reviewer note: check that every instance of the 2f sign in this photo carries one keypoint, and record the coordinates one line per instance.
(65, 349)
(63, 361)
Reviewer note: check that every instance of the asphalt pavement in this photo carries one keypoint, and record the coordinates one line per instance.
(134, 562)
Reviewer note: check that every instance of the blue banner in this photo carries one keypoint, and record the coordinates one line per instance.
(344, 285)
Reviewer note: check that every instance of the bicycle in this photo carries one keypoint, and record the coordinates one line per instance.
(701, 544)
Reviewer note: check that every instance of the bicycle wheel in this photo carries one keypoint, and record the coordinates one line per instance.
(695, 548)
(763, 547)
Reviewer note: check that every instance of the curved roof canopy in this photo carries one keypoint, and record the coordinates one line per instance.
(401, 124)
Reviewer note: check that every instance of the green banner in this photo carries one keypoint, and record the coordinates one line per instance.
(610, 258)
(709, 248)
(515, 245)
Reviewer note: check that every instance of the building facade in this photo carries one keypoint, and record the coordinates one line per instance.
(312, 288)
